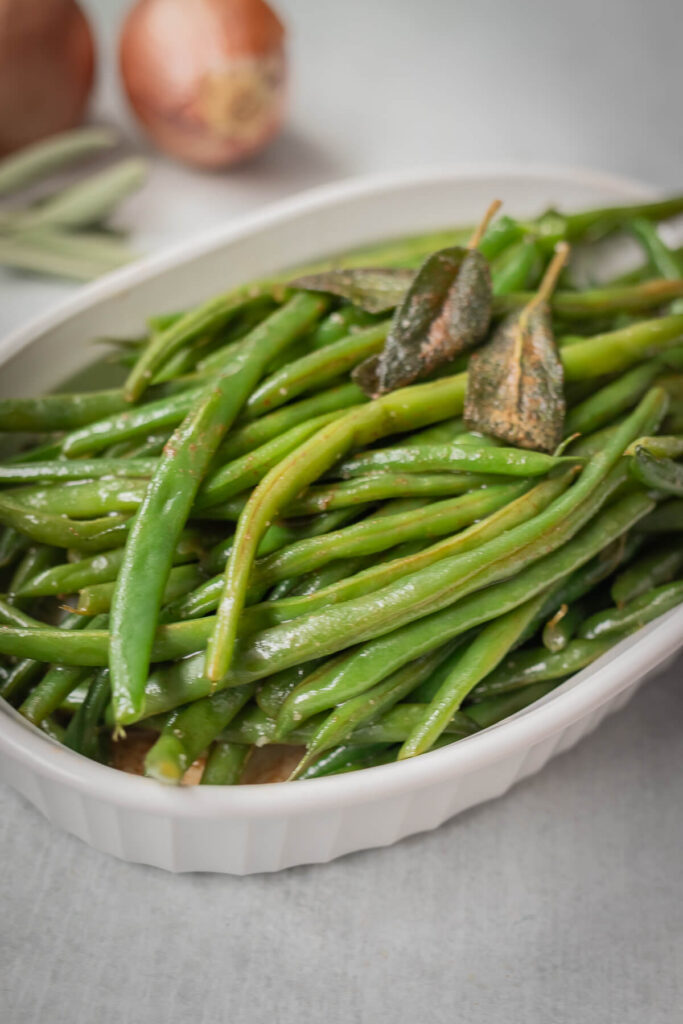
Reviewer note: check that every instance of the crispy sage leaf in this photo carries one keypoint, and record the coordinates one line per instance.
(373, 289)
(515, 384)
(445, 312)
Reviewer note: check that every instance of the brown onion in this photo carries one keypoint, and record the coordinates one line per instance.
(205, 77)
(47, 63)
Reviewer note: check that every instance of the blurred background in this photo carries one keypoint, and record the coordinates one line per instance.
(393, 84)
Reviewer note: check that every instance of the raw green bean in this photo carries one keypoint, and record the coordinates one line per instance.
(479, 658)
(170, 495)
(89, 201)
(225, 763)
(658, 565)
(634, 614)
(191, 732)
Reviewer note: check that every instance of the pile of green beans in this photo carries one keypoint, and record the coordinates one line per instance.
(235, 547)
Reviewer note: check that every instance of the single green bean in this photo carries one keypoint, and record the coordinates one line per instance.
(662, 475)
(49, 155)
(470, 457)
(605, 405)
(225, 763)
(633, 614)
(63, 470)
(182, 579)
(479, 658)
(535, 665)
(192, 731)
(171, 493)
(84, 732)
(347, 758)
(657, 565)
(495, 709)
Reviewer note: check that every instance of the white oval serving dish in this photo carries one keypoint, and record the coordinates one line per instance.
(266, 827)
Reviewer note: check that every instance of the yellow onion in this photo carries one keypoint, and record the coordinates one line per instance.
(206, 78)
(47, 63)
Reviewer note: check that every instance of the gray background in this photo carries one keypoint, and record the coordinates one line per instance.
(558, 903)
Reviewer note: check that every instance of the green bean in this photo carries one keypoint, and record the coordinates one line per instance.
(209, 316)
(451, 457)
(633, 614)
(191, 731)
(618, 350)
(531, 666)
(132, 423)
(342, 720)
(605, 405)
(488, 505)
(253, 726)
(518, 267)
(347, 758)
(84, 733)
(660, 564)
(636, 298)
(407, 408)
(255, 433)
(59, 681)
(100, 568)
(25, 673)
(373, 535)
(59, 411)
(560, 629)
(272, 693)
(554, 227)
(482, 655)
(666, 518)
(37, 559)
(63, 470)
(12, 616)
(97, 597)
(225, 763)
(90, 201)
(382, 487)
(441, 583)
(663, 475)
(338, 324)
(249, 469)
(374, 660)
(80, 500)
(666, 262)
(170, 495)
(661, 447)
(495, 709)
(13, 544)
(316, 368)
(49, 155)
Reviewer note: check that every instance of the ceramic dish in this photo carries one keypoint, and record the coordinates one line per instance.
(266, 827)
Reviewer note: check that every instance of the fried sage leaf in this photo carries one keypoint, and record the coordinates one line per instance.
(372, 289)
(515, 382)
(445, 312)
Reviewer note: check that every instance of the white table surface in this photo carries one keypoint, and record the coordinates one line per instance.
(560, 902)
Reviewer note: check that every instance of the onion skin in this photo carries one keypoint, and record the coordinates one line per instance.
(206, 78)
(47, 66)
